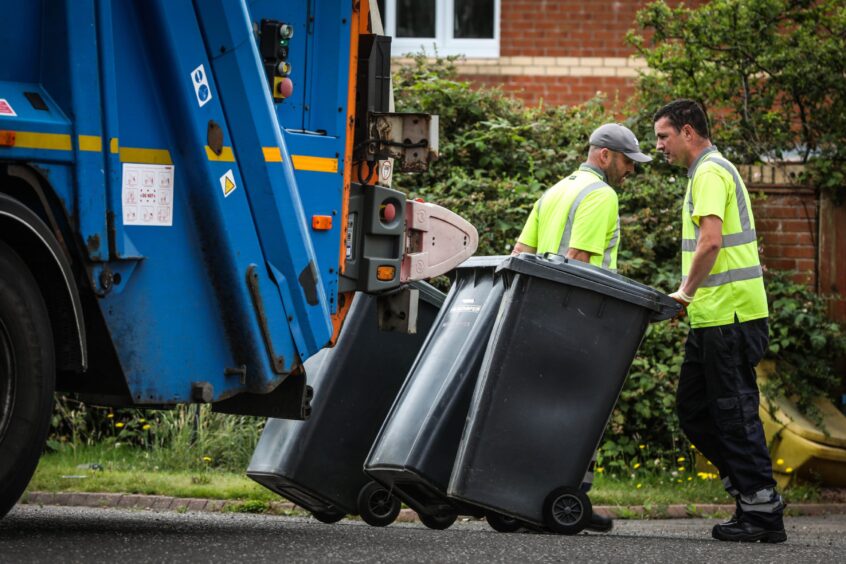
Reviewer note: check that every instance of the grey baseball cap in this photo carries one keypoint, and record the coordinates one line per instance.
(618, 138)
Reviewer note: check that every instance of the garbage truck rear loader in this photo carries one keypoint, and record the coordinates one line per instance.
(190, 194)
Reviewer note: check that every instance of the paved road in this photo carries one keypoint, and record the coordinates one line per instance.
(62, 534)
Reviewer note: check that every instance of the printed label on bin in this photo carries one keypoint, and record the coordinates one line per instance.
(147, 194)
(466, 308)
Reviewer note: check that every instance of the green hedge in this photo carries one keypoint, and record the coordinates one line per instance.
(497, 158)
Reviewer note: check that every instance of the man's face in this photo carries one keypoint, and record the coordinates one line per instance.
(671, 143)
(619, 168)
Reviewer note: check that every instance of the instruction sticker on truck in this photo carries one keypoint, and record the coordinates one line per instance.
(201, 85)
(6, 108)
(147, 194)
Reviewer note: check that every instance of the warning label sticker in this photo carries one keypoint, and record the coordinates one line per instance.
(227, 183)
(147, 194)
(6, 108)
(201, 85)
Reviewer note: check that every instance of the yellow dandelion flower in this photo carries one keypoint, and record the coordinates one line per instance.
(146, 427)
(639, 486)
(788, 470)
(600, 469)
(110, 416)
(119, 425)
(142, 420)
(681, 468)
(641, 446)
(680, 459)
(679, 480)
(207, 459)
(689, 478)
(636, 466)
(780, 462)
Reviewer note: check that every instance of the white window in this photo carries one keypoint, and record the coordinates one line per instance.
(452, 27)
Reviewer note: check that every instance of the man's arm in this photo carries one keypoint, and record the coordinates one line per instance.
(578, 254)
(704, 257)
(521, 248)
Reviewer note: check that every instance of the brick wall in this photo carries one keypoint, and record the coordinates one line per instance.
(786, 222)
(562, 51)
(567, 28)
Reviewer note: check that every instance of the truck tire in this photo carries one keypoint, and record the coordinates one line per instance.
(27, 376)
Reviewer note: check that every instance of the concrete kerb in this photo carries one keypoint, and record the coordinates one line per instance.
(167, 503)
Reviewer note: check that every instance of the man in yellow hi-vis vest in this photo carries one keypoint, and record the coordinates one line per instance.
(578, 218)
(722, 290)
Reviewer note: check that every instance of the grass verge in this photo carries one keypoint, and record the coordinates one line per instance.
(102, 468)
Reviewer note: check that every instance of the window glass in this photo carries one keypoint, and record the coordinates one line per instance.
(415, 18)
(473, 19)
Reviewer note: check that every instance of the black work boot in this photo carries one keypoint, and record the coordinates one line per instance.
(738, 512)
(758, 519)
(599, 523)
(745, 530)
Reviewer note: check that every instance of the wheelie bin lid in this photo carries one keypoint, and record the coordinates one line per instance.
(492, 261)
(557, 268)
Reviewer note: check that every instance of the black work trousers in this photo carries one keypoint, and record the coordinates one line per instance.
(717, 401)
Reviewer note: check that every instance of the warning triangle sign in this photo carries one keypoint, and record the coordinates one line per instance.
(227, 183)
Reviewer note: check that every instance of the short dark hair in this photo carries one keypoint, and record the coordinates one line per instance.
(685, 112)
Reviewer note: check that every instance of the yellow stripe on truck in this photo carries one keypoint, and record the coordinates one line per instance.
(316, 164)
(145, 156)
(51, 141)
(225, 155)
(272, 154)
(90, 143)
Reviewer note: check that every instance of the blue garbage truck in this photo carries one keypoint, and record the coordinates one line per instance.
(191, 191)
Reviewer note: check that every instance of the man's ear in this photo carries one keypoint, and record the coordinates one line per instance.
(687, 131)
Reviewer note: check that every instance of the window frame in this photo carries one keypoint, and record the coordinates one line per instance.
(443, 42)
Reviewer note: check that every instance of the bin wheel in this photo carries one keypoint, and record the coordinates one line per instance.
(27, 376)
(566, 511)
(438, 522)
(377, 506)
(329, 516)
(502, 523)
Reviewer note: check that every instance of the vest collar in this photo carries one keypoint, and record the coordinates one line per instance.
(707, 151)
(594, 169)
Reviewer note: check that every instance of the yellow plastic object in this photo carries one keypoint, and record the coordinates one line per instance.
(799, 447)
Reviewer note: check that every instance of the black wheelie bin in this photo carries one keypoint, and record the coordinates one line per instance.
(318, 463)
(565, 337)
(415, 450)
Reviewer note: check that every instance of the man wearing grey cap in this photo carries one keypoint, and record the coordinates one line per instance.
(578, 218)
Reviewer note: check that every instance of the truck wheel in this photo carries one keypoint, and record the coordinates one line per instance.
(566, 511)
(27, 376)
(377, 506)
(438, 522)
(502, 523)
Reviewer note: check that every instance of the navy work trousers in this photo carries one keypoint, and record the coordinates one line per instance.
(718, 401)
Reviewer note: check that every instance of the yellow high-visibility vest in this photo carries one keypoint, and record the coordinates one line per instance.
(735, 286)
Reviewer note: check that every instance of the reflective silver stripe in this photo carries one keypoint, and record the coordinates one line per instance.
(732, 240)
(733, 275)
(742, 209)
(606, 260)
(732, 491)
(763, 501)
(568, 227)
